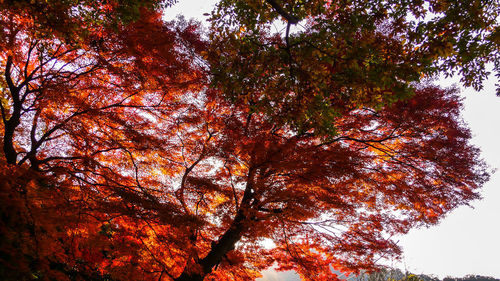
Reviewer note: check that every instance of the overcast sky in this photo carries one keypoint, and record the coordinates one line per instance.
(467, 241)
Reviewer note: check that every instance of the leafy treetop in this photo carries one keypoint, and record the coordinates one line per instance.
(330, 55)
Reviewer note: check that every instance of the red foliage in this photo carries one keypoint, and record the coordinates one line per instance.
(120, 163)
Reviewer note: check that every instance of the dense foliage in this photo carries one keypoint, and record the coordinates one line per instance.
(135, 148)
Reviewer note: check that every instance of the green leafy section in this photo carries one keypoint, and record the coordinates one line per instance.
(332, 56)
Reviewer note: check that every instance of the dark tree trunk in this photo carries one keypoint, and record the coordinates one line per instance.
(8, 146)
(227, 241)
(11, 123)
(219, 249)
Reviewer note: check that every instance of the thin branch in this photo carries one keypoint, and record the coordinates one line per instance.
(236, 201)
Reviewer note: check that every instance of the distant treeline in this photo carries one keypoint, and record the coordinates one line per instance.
(398, 275)
(471, 278)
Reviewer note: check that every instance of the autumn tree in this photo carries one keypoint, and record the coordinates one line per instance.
(323, 202)
(71, 108)
(135, 149)
(319, 57)
(71, 20)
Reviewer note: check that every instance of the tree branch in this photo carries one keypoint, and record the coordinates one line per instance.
(289, 18)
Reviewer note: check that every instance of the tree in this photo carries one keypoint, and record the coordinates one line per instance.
(334, 201)
(138, 150)
(72, 19)
(70, 109)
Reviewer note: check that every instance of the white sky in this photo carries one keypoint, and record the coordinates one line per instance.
(467, 241)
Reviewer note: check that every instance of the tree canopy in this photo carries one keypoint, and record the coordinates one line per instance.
(332, 55)
(136, 148)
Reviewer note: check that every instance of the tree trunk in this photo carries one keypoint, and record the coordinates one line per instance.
(227, 241)
(8, 139)
(8, 146)
(10, 124)
(219, 249)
